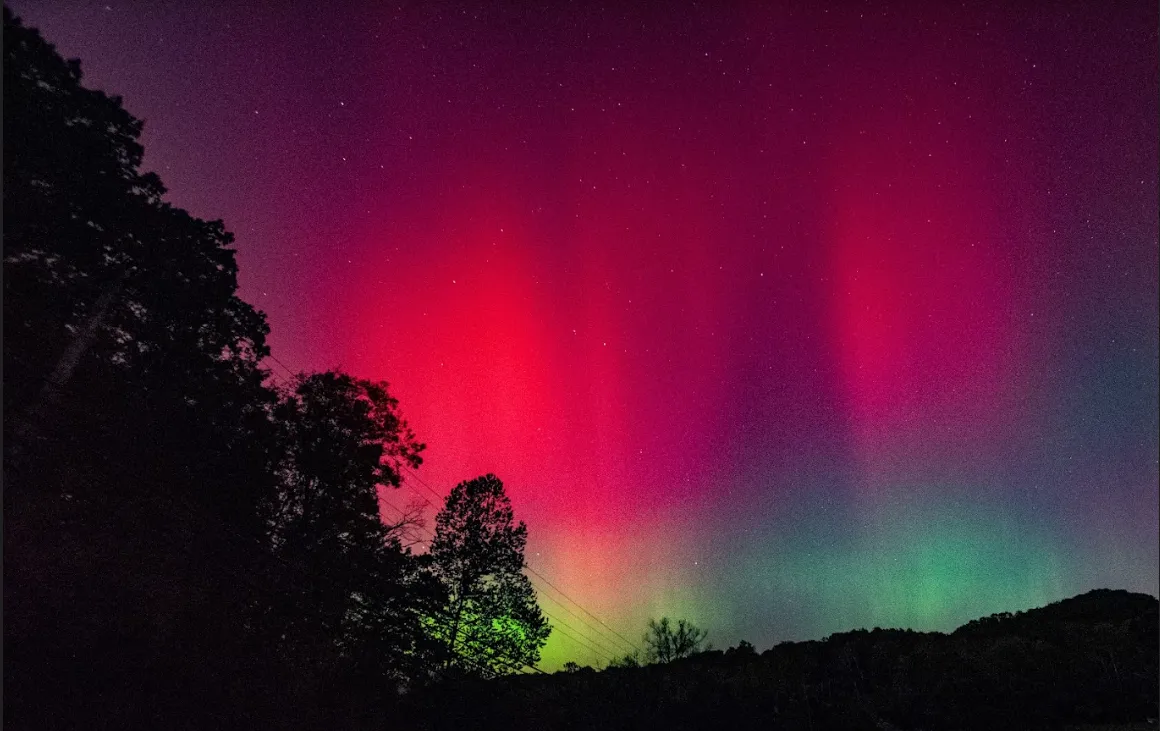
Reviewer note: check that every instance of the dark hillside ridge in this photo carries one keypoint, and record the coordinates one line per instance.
(1090, 659)
(1099, 606)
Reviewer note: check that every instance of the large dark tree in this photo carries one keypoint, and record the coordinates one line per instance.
(88, 241)
(139, 438)
(342, 442)
(184, 546)
(492, 624)
(124, 335)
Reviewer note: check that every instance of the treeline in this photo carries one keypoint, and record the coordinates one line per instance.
(187, 545)
(1089, 661)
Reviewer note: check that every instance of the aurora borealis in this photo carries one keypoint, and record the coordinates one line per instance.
(785, 320)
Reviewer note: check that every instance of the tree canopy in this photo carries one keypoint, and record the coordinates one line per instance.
(168, 512)
(121, 313)
(665, 642)
(491, 623)
(341, 441)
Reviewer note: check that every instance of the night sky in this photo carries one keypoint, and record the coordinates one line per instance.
(784, 320)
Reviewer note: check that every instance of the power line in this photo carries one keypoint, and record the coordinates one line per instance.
(290, 373)
(406, 483)
(188, 508)
(599, 634)
(496, 657)
(504, 662)
(422, 482)
(414, 477)
(392, 506)
(590, 614)
(587, 643)
(601, 652)
(405, 525)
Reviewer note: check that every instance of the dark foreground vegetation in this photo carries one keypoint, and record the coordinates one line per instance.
(1083, 661)
(189, 543)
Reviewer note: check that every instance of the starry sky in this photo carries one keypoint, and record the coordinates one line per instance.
(783, 319)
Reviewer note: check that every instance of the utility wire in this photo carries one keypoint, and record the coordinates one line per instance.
(422, 482)
(603, 636)
(290, 373)
(588, 643)
(590, 614)
(416, 493)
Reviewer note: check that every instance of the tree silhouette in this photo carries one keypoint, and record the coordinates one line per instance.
(628, 660)
(743, 650)
(1085, 662)
(88, 240)
(492, 624)
(136, 422)
(123, 329)
(166, 514)
(665, 643)
(343, 441)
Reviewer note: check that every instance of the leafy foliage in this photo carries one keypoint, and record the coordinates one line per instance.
(82, 220)
(136, 421)
(341, 442)
(184, 546)
(743, 650)
(123, 327)
(665, 642)
(628, 660)
(491, 624)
